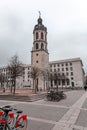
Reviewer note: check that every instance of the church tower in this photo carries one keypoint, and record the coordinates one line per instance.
(39, 53)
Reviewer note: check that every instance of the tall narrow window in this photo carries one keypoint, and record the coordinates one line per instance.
(36, 35)
(66, 69)
(71, 73)
(71, 68)
(36, 45)
(70, 63)
(67, 80)
(42, 46)
(41, 35)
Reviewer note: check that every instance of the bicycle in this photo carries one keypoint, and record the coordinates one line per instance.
(9, 121)
(10, 115)
(52, 96)
(55, 95)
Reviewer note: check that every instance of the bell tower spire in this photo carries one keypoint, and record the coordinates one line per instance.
(39, 14)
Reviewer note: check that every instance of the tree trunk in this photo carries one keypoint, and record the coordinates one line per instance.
(33, 83)
(11, 85)
(35, 86)
(1, 85)
(14, 86)
(11, 88)
(44, 84)
(57, 85)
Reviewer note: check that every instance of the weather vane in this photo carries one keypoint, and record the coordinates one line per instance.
(39, 14)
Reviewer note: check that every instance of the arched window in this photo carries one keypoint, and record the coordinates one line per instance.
(36, 35)
(37, 46)
(41, 35)
(42, 46)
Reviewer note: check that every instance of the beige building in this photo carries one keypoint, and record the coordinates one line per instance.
(69, 72)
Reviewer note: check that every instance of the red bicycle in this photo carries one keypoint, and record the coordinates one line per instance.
(12, 121)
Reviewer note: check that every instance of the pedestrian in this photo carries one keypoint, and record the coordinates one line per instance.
(85, 87)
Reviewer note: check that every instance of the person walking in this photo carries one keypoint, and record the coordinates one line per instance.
(85, 87)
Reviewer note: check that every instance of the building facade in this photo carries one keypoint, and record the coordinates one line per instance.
(69, 72)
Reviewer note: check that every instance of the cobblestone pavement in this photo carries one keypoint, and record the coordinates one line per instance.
(68, 114)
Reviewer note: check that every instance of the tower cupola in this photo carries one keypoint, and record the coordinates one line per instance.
(39, 25)
(39, 21)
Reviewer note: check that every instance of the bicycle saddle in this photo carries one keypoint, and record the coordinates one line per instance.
(19, 112)
(8, 106)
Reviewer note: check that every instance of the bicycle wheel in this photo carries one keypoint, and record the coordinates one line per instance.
(64, 96)
(49, 98)
(22, 125)
(2, 127)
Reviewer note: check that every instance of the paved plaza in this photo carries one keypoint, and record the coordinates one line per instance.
(67, 114)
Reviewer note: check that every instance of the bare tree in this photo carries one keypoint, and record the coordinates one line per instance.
(48, 77)
(54, 76)
(58, 77)
(34, 73)
(64, 80)
(15, 70)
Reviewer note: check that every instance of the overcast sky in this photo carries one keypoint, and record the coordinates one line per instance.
(66, 22)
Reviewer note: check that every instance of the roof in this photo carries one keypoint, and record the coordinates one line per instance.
(66, 60)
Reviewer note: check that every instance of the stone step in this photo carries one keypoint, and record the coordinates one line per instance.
(37, 97)
(23, 98)
(14, 98)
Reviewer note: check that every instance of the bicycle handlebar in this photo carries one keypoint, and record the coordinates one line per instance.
(8, 108)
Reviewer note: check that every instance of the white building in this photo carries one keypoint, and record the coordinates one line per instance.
(70, 69)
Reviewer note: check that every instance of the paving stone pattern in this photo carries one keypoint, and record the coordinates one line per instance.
(69, 114)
